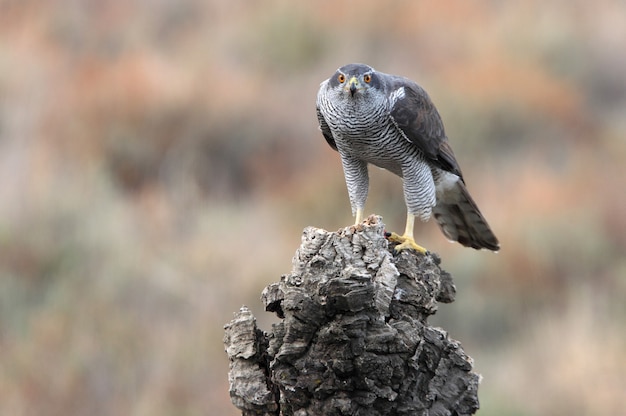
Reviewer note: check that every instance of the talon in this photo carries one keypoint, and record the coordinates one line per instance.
(405, 242)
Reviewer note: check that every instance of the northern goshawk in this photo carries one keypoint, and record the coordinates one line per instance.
(390, 121)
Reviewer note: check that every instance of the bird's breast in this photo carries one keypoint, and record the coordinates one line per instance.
(374, 140)
(362, 129)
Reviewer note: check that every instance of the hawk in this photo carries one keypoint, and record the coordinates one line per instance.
(390, 122)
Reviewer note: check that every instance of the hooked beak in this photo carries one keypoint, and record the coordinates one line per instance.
(354, 85)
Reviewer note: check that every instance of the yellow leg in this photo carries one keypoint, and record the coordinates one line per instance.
(408, 230)
(406, 241)
(359, 216)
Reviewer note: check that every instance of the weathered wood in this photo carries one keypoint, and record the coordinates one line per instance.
(353, 337)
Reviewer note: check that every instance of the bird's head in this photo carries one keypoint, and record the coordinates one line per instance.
(354, 80)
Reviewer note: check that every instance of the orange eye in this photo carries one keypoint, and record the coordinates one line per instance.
(367, 78)
(341, 78)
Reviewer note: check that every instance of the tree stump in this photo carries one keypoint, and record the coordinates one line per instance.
(353, 337)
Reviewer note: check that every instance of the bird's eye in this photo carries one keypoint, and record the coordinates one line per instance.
(341, 78)
(367, 78)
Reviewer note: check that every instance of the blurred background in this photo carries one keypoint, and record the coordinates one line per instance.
(148, 146)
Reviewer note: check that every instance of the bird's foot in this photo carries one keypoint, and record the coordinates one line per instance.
(404, 242)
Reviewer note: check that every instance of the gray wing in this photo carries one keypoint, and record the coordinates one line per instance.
(328, 135)
(416, 116)
(325, 129)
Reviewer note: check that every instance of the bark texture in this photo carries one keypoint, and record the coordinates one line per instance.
(353, 337)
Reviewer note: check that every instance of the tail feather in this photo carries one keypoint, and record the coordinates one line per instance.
(460, 219)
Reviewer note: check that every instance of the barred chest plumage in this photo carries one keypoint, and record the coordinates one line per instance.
(363, 130)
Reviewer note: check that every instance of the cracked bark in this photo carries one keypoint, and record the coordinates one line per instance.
(353, 337)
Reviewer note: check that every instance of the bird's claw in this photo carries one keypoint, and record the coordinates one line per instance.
(404, 242)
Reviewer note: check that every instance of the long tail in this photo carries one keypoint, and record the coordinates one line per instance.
(460, 219)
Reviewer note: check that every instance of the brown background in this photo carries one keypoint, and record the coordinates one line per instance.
(145, 145)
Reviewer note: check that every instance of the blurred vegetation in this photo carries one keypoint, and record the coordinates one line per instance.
(145, 145)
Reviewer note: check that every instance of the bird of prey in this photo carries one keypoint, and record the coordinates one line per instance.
(391, 122)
